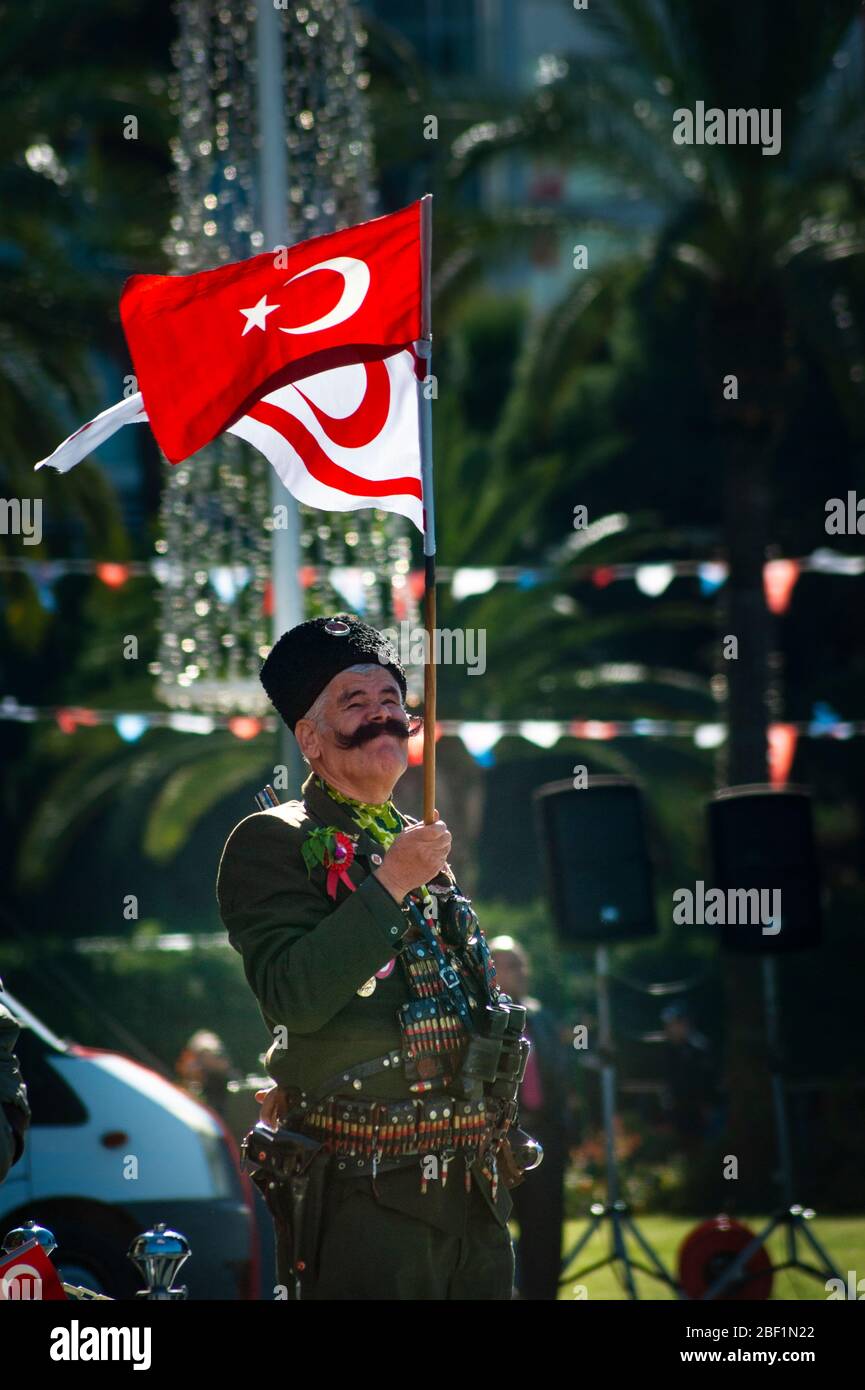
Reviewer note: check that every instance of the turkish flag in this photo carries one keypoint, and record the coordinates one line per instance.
(207, 346)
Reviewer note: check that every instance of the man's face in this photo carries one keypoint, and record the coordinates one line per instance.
(363, 736)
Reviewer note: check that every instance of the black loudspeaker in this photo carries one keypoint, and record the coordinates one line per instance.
(763, 839)
(596, 857)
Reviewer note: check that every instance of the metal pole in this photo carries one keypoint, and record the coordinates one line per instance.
(779, 1097)
(273, 205)
(608, 1075)
(423, 348)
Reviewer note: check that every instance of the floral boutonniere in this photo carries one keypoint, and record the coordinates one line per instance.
(334, 850)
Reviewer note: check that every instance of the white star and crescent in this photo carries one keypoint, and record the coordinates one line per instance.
(356, 279)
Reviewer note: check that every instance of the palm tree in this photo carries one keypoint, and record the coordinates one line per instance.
(763, 255)
(74, 222)
(81, 207)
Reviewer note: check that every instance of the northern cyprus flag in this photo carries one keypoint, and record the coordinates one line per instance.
(340, 439)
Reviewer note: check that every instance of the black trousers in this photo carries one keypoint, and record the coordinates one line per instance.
(371, 1251)
(539, 1202)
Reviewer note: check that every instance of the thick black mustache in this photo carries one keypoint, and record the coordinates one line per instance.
(366, 732)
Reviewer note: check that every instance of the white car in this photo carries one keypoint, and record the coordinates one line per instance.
(114, 1147)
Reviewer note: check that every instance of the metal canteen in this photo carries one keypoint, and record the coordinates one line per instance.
(457, 918)
(528, 1153)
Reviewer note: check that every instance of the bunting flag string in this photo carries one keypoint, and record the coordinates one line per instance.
(651, 578)
(478, 736)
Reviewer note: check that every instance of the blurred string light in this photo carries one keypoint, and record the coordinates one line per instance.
(549, 68)
(216, 525)
(42, 159)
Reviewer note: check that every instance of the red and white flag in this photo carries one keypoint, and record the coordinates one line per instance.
(345, 438)
(207, 347)
(28, 1276)
(341, 439)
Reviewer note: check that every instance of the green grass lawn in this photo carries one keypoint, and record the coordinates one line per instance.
(842, 1237)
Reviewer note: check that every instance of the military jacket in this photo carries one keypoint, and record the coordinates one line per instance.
(306, 954)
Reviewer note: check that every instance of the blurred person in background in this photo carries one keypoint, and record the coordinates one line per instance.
(690, 1098)
(204, 1069)
(548, 1112)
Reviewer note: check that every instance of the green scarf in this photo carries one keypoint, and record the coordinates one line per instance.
(381, 819)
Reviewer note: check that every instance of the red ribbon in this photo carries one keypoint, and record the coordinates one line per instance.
(335, 875)
(337, 868)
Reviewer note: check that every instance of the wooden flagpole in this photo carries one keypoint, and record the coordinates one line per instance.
(424, 351)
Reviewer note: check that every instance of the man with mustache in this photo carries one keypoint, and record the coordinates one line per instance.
(372, 974)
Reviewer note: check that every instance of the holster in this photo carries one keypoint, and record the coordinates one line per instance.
(290, 1171)
(509, 1171)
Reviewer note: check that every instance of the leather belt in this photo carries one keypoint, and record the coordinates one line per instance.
(352, 1076)
(344, 1167)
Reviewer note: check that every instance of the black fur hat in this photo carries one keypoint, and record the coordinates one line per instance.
(307, 657)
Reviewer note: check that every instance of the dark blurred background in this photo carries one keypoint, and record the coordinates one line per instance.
(560, 384)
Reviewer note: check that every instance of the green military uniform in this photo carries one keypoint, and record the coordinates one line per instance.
(312, 959)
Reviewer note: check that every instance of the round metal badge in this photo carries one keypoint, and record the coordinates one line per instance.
(336, 627)
(367, 988)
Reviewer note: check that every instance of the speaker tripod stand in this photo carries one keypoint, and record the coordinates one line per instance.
(792, 1218)
(614, 1214)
